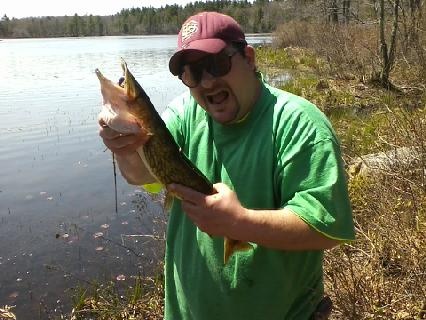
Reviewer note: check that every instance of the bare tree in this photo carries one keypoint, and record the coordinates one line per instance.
(387, 51)
(334, 11)
(411, 18)
(346, 10)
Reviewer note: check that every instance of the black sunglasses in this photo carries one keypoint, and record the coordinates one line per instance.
(217, 65)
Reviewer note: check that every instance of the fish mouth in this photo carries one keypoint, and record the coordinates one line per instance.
(116, 112)
(100, 76)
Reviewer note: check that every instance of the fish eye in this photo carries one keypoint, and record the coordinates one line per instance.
(121, 82)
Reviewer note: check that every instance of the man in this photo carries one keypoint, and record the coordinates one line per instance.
(280, 184)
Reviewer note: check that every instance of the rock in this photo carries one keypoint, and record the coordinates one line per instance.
(383, 161)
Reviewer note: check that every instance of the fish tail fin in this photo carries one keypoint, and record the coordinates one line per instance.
(230, 246)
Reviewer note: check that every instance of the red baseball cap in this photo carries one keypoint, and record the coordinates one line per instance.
(208, 32)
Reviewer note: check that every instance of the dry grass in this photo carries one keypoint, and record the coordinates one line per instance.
(381, 275)
(144, 301)
(349, 51)
(6, 313)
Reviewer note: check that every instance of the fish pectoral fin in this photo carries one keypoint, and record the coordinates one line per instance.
(153, 187)
(230, 246)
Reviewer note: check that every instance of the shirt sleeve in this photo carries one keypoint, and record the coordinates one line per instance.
(313, 186)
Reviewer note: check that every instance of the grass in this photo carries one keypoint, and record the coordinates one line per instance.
(382, 274)
(143, 300)
(6, 313)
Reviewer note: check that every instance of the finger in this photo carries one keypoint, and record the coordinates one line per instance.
(221, 187)
(186, 194)
(123, 141)
(109, 134)
(102, 122)
(125, 150)
(194, 214)
(220, 191)
(190, 209)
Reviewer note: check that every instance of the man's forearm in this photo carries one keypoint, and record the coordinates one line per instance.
(281, 229)
(134, 170)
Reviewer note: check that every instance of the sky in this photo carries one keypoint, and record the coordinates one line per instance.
(35, 8)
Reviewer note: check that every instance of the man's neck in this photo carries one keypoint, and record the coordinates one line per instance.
(255, 97)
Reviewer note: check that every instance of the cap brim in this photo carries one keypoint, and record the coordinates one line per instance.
(210, 46)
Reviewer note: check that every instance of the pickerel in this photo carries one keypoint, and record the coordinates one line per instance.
(126, 109)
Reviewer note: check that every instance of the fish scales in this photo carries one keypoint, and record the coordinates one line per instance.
(164, 157)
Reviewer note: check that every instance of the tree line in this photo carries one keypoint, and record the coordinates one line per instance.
(255, 17)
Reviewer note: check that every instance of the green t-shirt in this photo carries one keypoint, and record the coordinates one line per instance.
(284, 154)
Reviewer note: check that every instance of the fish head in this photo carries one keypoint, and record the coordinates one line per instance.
(116, 110)
(132, 88)
(138, 102)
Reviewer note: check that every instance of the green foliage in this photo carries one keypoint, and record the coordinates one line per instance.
(357, 133)
(294, 62)
(270, 57)
(300, 86)
(78, 298)
(136, 293)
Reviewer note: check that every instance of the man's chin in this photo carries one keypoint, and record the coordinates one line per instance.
(223, 113)
(223, 117)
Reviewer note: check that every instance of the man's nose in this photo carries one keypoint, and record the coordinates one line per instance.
(207, 80)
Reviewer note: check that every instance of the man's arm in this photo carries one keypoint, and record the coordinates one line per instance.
(281, 229)
(222, 214)
(133, 169)
(125, 148)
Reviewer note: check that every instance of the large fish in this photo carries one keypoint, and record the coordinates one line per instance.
(127, 109)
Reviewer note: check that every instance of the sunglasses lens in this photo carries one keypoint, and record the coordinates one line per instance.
(217, 65)
(191, 75)
(220, 65)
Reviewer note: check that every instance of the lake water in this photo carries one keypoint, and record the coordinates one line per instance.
(58, 222)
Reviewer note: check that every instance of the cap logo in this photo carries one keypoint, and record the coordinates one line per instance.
(188, 29)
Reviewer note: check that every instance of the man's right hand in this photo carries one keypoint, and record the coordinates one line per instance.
(122, 144)
(125, 146)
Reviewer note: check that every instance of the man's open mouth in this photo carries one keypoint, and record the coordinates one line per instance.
(218, 97)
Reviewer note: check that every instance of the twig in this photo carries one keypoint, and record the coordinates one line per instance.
(115, 182)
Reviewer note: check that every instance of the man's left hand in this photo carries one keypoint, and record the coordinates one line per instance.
(217, 214)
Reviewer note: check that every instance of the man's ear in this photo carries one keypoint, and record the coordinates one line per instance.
(250, 53)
